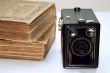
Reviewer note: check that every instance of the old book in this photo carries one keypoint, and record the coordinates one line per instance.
(25, 20)
(28, 50)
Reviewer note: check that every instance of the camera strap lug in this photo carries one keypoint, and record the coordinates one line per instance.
(60, 24)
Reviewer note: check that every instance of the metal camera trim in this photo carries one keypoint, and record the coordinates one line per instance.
(94, 31)
(90, 49)
(75, 31)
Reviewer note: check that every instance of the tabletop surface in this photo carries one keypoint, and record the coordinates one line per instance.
(53, 61)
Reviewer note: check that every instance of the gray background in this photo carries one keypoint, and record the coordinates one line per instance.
(97, 5)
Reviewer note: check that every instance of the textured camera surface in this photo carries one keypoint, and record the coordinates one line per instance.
(80, 38)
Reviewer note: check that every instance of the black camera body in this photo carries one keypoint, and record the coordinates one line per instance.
(80, 34)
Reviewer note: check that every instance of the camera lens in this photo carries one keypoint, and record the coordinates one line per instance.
(81, 47)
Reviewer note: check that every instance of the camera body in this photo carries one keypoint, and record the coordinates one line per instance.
(80, 34)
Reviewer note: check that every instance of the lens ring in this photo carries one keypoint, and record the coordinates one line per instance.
(81, 47)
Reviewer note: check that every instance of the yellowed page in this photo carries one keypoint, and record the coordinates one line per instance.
(21, 11)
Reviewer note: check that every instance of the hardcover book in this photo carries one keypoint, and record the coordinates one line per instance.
(25, 20)
(27, 29)
(27, 50)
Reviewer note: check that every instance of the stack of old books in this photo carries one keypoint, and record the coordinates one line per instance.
(27, 29)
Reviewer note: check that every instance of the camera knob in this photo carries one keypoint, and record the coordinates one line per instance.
(81, 21)
(77, 9)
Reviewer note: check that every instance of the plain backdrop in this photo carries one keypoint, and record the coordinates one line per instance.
(96, 5)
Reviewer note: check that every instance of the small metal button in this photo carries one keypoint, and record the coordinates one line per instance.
(81, 20)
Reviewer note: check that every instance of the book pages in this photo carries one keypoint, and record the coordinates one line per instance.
(21, 11)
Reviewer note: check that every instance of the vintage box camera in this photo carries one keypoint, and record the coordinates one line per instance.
(80, 32)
